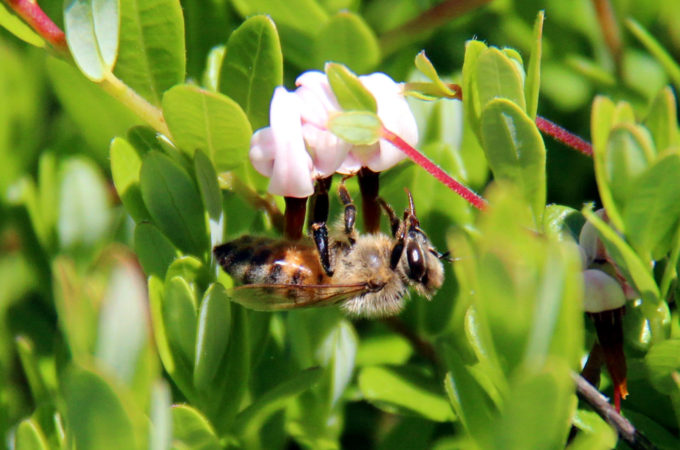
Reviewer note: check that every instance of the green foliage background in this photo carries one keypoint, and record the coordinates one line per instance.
(116, 327)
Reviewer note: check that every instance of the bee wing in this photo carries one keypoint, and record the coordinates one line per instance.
(274, 297)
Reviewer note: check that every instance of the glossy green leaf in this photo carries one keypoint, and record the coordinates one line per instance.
(357, 127)
(206, 178)
(161, 416)
(92, 35)
(626, 157)
(252, 68)
(662, 120)
(515, 151)
(174, 203)
(533, 81)
(273, 400)
(472, 103)
(347, 39)
(652, 210)
(562, 222)
(350, 93)
(154, 250)
(156, 303)
(95, 413)
(179, 318)
(126, 164)
(652, 45)
(404, 390)
(84, 212)
(190, 429)
(29, 436)
(662, 361)
(152, 55)
(209, 121)
(214, 328)
(17, 27)
(498, 76)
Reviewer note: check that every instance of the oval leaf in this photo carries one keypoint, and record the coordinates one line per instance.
(152, 55)
(498, 77)
(625, 158)
(154, 250)
(351, 94)
(252, 68)
(191, 430)
(662, 361)
(29, 436)
(126, 163)
(174, 203)
(356, 127)
(347, 39)
(209, 121)
(179, 317)
(214, 327)
(207, 185)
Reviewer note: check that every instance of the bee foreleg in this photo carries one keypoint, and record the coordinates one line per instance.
(350, 212)
(394, 220)
(318, 202)
(320, 236)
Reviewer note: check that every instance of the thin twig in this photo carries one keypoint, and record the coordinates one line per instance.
(625, 429)
(562, 135)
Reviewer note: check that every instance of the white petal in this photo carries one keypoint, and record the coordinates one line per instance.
(326, 149)
(263, 151)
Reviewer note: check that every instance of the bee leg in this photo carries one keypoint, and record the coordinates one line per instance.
(394, 220)
(320, 236)
(350, 212)
(318, 202)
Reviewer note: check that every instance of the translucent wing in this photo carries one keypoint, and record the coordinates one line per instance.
(273, 297)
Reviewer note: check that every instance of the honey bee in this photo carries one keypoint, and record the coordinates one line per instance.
(368, 275)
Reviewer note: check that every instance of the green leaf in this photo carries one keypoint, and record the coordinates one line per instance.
(347, 39)
(161, 416)
(92, 35)
(652, 211)
(562, 222)
(214, 328)
(95, 413)
(382, 349)
(209, 121)
(179, 318)
(29, 363)
(18, 28)
(498, 76)
(533, 81)
(122, 332)
(154, 250)
(356, 127)
(84, 212)
(207, 185)
(404, 390)
(252, 418)
(515, 151)
(595, 432)
(350, 93)
(126, 164)
(662, 362)
(301, 15)
(213, 68)
(191, 270)
(174, 203)
(29, 436)
(151, 57)
(472, 103)
(253, 67)
(425, 66)
(662, 120)
(656, 49)
(190, 429)
(156, 302)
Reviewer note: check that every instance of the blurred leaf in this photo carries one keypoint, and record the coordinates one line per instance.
(161, 417)
(29, 363)
(95, 413)
(17, 27)
(156, 304)
(191, 270)
(425, 66)
(409, 433)
(404, 390)
(190, 429)
(356, 127)
(498, 76)
(154, 251)
(533, 81)
(84, 212)
(351, 94)
(659, 436)
(97, 115)
(252, 68)
(179, 318)
(595, 432)
(652, 210)
(662, 120)
(562, 222)
(174, 203)
(213, 68)
(268, 403)
(126, 164)
(515, 151)
(214, 327)
(122, 331)
(383, 349)
(653, 47)
(212, 122)
(347, 39)
(339, 350)
(302, 15)
(152, 55)
(207, 185)
(92, 35)
(662, 361)
(29, 436)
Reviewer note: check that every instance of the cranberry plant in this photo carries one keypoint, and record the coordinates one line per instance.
(127, 146)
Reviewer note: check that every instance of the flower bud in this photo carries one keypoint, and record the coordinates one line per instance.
(602, 292)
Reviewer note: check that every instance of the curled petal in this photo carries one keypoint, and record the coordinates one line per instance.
(263, 151)
(326, 149)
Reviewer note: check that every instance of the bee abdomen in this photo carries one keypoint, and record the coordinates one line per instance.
(250, 260)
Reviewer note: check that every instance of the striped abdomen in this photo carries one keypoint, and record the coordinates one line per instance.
(263, 260)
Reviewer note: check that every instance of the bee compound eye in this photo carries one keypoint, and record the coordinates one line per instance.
(416, 261)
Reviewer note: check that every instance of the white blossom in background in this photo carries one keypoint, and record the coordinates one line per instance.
(298, 147)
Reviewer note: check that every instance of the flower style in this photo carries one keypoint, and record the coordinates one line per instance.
(298, 147)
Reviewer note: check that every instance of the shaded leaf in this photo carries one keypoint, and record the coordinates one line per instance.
(192, 430)
(126, 164)
(206, 178)
(498, 77)
(29, 436)
(154, 250)
(214, 328)
(662, 120)
(347, 39)
(533, 81)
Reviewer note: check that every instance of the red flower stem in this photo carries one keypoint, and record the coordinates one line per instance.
(436, 171)
(34, 16)
(567, 138)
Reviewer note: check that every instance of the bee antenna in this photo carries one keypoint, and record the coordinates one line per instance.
(411, 206)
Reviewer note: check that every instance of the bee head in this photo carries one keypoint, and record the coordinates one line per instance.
(415, 255)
